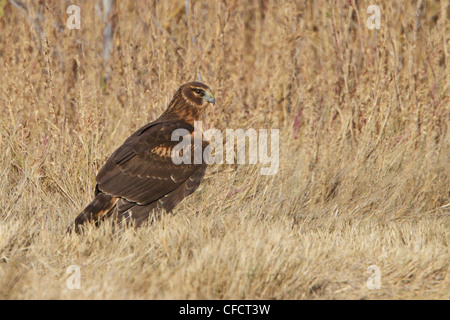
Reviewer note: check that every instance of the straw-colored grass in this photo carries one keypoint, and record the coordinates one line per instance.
(364, 149)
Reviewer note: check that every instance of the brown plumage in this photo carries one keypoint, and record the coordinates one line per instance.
(140, 179)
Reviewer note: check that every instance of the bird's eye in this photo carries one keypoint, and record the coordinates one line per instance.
(200, 92)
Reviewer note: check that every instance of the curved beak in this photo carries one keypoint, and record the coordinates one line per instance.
(209, 97)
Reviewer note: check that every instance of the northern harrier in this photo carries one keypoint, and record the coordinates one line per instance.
(140, 178)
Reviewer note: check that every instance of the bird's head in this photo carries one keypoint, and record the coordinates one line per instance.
(197, 94)
(189, 102)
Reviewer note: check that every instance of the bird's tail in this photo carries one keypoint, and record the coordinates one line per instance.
(95, 211)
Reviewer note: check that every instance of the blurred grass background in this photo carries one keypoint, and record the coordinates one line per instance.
(364, 148)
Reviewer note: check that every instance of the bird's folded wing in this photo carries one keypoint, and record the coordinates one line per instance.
(142, 170)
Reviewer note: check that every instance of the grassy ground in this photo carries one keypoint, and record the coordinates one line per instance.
(364, 149)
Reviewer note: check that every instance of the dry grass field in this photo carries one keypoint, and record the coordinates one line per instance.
(364, 174)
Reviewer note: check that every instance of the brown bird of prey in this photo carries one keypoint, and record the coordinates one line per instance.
(140, 179)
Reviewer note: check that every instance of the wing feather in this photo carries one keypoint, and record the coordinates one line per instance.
(137, 173)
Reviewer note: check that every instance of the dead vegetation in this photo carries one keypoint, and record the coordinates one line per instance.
(364, 149)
